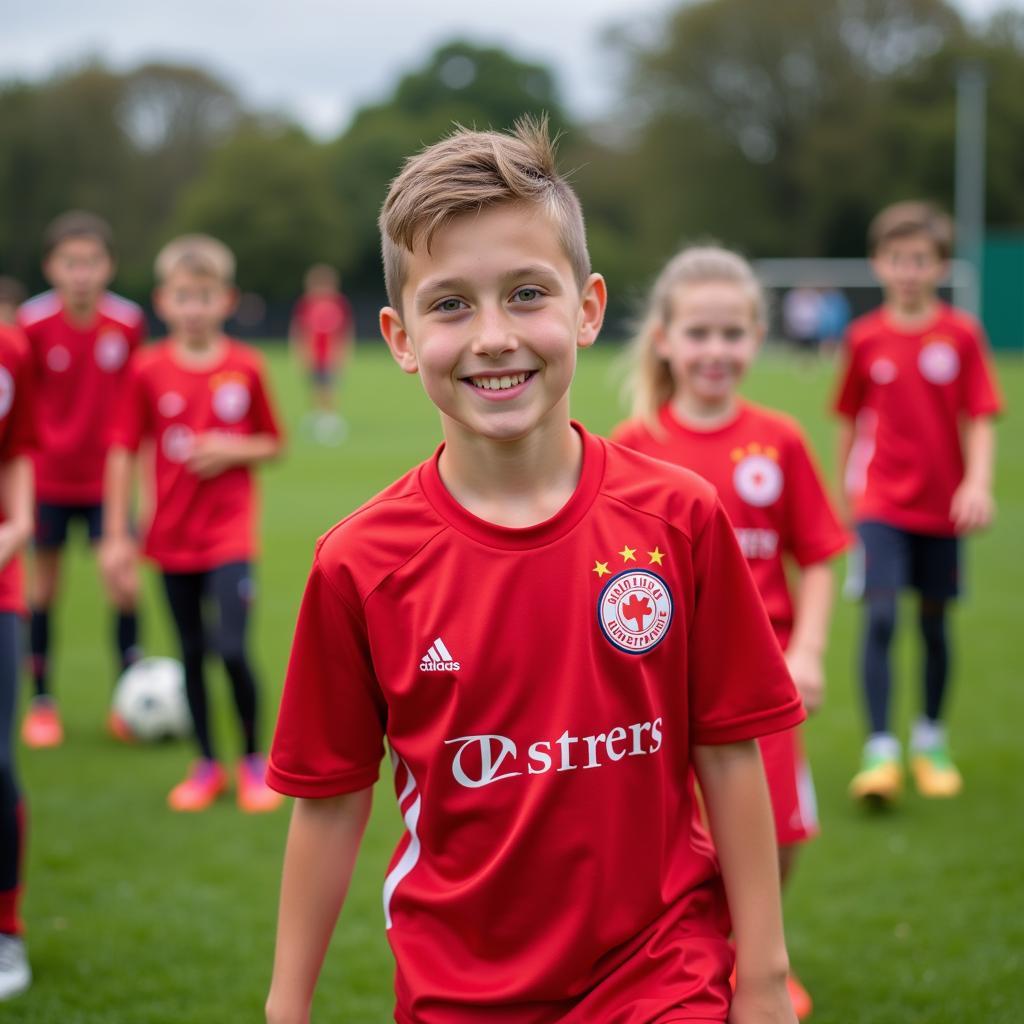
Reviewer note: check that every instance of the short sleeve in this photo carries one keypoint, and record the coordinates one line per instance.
(739, 685)
(20, 437)
(813, 532)
(980, 394)
(330, 730)
(851, 393)
(263, 418)
(131, 421)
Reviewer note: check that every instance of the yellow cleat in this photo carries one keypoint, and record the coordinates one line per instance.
(879, 781)
(935, 775)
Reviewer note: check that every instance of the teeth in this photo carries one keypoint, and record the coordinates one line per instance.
(499, 383)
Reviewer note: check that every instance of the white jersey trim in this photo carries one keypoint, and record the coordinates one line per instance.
(117, 307)
(410, 858)
(39, 307)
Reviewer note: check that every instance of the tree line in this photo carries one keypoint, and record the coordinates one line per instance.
(777, 128)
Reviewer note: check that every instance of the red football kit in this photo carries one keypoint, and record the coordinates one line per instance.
(541, 691)
(324, 322)
(908, 392)
(17, 437)
(771, 489)
(79, 372)
(195, 524)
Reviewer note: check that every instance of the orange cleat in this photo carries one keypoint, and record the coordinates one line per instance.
(205, 782)
(41, 726)
(799, 997)
(119, 729)
(254, 795)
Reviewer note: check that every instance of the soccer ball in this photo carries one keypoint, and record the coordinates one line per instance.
(150, 700)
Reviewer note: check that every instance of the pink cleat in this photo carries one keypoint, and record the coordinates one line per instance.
(205, 782)
(42, 726)
(254, 795)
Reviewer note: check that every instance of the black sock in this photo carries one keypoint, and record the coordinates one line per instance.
(128, 638)
(936, 660)
(879, 627)
(39, 650)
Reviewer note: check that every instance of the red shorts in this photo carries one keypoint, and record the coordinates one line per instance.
(791, 787)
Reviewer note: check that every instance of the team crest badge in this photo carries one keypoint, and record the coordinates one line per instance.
(939, 362)
(634, 608)
(231, 401)
(6, 391)
(758, 476)
(58, 359)
(111, 351)
(170, 404)
(883, 371)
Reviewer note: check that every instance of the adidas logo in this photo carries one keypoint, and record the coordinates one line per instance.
(438, 659)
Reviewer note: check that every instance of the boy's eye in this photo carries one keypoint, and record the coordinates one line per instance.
(734, 334)
(527, 294)
(450, 305)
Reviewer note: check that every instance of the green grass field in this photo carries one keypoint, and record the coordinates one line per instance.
(137, 916)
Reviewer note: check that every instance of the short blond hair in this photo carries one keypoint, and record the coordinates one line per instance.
(469, 171)
(912, 217)
(649, 382)
(198, 254)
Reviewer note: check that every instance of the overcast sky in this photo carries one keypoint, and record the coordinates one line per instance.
(319, 60)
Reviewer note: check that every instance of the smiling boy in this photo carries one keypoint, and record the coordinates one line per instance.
(542, 626)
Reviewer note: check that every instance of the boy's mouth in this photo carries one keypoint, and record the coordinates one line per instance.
(500, 382)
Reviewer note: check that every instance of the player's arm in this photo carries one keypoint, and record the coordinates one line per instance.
(323, 841)
(17, 499)
(973, 505)
(214, 453)
(118, 547)
(806, 650)
(740, 817)
(844, 447)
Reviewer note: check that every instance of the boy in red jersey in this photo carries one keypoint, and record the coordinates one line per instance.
(704, 326)
(321, 332)
(17, 438)
(199, 403)
(918, 443)
(543, 626)
(81, 336)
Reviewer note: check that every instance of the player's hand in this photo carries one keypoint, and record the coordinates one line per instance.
(12, 539)
(809, 676)
(119, 567)
(212, 454)
(766, 1003)
(972, 508)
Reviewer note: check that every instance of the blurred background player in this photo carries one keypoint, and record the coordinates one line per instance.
(705, 322)
(12, 295)
(321, 333)
(17, 436)
(80, 336)
(200, 400)
(918, 444)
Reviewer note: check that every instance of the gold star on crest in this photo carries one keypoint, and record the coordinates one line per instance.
(655, 556)
(628, 554)
(601, 568)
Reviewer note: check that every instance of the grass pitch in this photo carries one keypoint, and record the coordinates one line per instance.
(138, 916)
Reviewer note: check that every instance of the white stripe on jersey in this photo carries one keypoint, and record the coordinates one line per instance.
(446, 655)
(118, 308)
(409, 859)
(39, 307)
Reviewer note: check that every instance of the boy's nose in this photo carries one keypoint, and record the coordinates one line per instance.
(494, 334)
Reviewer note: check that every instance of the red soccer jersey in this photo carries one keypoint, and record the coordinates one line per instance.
(324, 323)
(17, 437)
(541, 691)
(195, 524)
(766, 478)
(79, 372)
(908, 392)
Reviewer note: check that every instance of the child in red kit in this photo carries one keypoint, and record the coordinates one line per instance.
(917, 397)
(198, 402)
(80, 336)
(321, 333)
(539, 625)
(704, 326)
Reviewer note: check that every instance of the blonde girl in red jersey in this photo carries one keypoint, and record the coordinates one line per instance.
(704, 325)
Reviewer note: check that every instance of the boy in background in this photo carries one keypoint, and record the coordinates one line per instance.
(542, 626)
(321, 334)
(12, 295)
(80, 336)
(917, 441)
(198, 403)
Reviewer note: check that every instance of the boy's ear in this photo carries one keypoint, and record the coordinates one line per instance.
(593, 302)
(398, 341)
